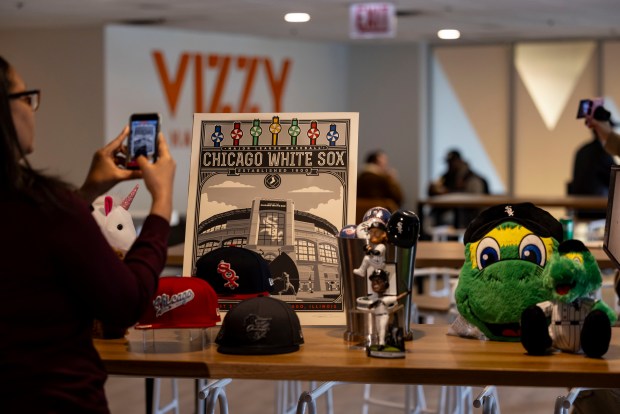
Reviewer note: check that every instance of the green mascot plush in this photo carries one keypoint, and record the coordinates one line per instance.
(573, 320)
(507, 248)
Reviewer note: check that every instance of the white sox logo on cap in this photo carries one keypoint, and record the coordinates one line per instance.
(257, 327)
(235, 273)
(228, 274)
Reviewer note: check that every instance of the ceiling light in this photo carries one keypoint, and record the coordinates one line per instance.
(297, 17)
(448, 34)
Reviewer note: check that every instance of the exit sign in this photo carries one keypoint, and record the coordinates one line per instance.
(372, 20)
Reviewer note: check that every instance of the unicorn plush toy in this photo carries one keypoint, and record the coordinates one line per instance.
(115, 221)
(117, 226)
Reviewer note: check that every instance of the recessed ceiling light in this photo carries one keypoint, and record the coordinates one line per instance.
(448, 34)
(296, 17)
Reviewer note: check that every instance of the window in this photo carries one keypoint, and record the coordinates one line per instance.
(206, 247)
(328, 253)
(305, 250)
(271, 229)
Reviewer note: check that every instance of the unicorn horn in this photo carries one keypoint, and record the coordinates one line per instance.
(127, 201)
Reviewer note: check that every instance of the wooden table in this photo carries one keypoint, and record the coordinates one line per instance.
(482, 201)
(428, 254)
(432, 358)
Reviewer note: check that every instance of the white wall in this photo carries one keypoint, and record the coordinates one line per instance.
(67, 65)
(384, 89)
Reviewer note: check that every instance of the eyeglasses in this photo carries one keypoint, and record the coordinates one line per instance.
(32, 98)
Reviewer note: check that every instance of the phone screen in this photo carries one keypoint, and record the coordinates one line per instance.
(585, 106)
(143, 130)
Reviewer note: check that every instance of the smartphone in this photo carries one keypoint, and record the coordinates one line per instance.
(587, 106)
(143, 132)
(584, 108)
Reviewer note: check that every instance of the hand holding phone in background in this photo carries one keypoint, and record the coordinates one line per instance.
(587, 107)
(143, 131)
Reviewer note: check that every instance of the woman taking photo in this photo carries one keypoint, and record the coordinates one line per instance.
(58, 272)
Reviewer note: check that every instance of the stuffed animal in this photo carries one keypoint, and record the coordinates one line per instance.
(573, 320)
(115, 222)
(507, 248)
(117, 227)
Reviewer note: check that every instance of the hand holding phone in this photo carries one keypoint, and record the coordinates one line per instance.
(143, 132)
(588, 106)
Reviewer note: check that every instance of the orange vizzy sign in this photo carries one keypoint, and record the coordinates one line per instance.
(223, 66)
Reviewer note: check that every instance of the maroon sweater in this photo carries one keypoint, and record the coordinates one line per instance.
(57, 274)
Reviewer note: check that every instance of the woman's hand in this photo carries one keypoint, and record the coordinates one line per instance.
(158, 178)
(104, 170)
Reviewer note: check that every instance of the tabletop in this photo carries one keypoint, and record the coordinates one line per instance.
(432, 357)
(428, 254)
(487, 200)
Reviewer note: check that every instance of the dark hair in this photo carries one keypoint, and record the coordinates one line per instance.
(16, 174)
(603, 115)
(372, 157)
(453, 155)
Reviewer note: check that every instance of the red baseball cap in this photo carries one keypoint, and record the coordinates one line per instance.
(181, 302)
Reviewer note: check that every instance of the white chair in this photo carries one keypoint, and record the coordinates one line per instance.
(290, 398)
(488, 400)
(451, 400)
(307, 399)
(446, 232)
(212, 394)
(435, 298)
(173, 405)
(563, 403)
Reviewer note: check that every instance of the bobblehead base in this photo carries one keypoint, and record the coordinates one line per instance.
(388, 344)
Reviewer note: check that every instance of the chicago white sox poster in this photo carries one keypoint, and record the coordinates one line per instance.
(282, 185)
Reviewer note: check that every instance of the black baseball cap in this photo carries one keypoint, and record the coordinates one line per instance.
(235, 273)
(260, 326)
(527, 214)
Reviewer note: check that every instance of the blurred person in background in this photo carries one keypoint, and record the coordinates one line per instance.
(591, 168)
(377, 185)
(458, 178)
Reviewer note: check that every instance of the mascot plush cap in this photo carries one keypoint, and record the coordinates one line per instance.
(526, 214)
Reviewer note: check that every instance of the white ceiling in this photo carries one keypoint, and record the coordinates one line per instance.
(419, 20)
